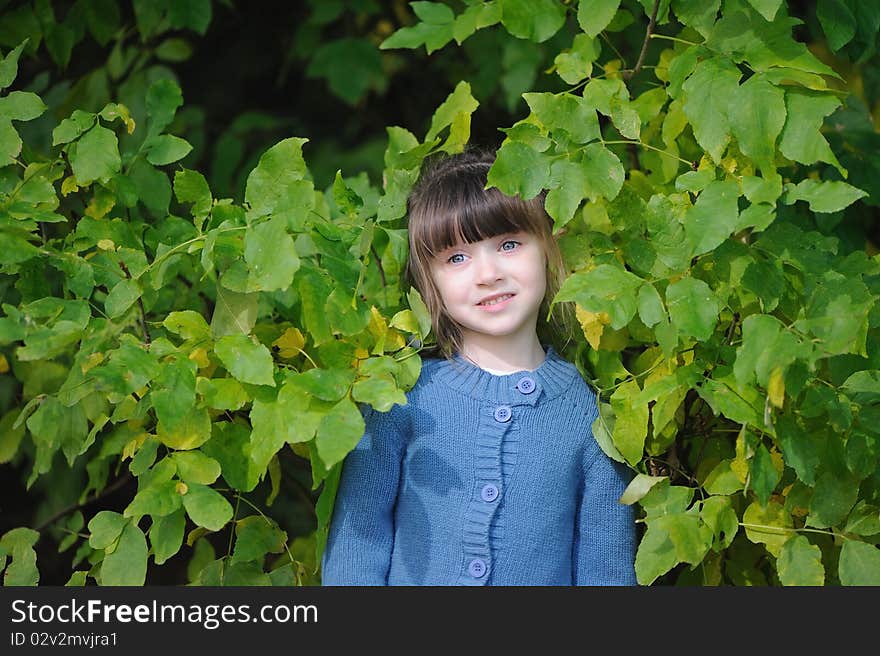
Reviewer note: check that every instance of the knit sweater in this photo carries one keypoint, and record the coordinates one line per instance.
(483, 479)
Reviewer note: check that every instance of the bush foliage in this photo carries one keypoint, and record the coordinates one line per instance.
(183, 352)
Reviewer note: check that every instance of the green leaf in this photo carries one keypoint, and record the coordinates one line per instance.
(651, 309)
(157, 499)
(767, 8)
(594, 15)
(800, 563)
(859, 563)
(188, 324)
(166, 535)
(837, 22)
(96, 156)
(163, 99)
(757, 118)
(638, 487)
(273, 185)
(607, 288)
(166, 149)
(22, 571)
(604, 172)
(719, 515)
(713, 217)
(519, 169)
(105, 528)
(655, 556)
(693, 308)
(55, 425)
(802, 449)
(734, 402)
(234, 313)
(174, 391)
(230, 446)
(379, 391)
(222, 393)
(174, 50)
(246, 360)
(21, 106)
(188, 432)
(207, 507)
(769, 525)
(121, 297)
(9, 65)
(255, 536)
(576, 63)
(191, 187)
(763, 476)
(570, 114)
(271, 255)
(459, 102)
(196, 467)
(833, 498)
(863, 387)
(151, 186)
(351, 65)
(192, 14)
(339, 432)
(630, 421)
(535, 20)
(10, 142)
(825, 196)
(127, 564)
(708, 93)
(864, 519)
(801, 138)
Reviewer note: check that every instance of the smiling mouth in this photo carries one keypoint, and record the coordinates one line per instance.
(496, 300)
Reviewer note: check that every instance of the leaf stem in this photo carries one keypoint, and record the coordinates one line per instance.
(170, 251)
(673, 38)
(293, 561)
(776, 529)
(649, 147)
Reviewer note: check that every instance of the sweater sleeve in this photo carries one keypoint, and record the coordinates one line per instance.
(361, 534)
(605, 535)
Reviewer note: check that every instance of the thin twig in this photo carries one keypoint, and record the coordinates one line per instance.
(651, 25)
(76, 506)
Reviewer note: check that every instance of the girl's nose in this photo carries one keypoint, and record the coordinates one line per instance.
(488, 270)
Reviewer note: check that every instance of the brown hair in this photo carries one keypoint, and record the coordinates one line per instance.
(450, 203)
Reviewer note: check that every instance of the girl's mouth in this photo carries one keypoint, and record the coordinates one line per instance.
(498, 300)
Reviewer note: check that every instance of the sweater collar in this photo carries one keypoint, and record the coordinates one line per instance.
(551, 378)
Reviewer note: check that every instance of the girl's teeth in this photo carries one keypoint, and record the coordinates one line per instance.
(497, 300)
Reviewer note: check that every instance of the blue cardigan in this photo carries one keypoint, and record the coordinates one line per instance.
(483, 479)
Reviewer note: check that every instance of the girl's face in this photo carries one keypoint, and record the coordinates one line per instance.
(493, 287)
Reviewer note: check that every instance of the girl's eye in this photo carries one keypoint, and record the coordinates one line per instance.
(509, 244)
(458, 258)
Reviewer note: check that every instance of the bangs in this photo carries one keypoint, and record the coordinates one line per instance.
(457, 208)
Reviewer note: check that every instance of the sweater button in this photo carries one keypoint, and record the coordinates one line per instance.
(502, 414)
(477, 568)
(489, 493)
(526, 385)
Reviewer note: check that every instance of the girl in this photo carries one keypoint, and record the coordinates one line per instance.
(490, 474)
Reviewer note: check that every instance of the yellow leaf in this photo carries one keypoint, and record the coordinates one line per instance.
(740, 464)
(200, 357)
(611, 69)
(4, 365)
(776, 387)
(92, 361)
(69, 185)
(290, 344)
(394, 340)
(106, 245)
(593, 324)
(181, 488)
